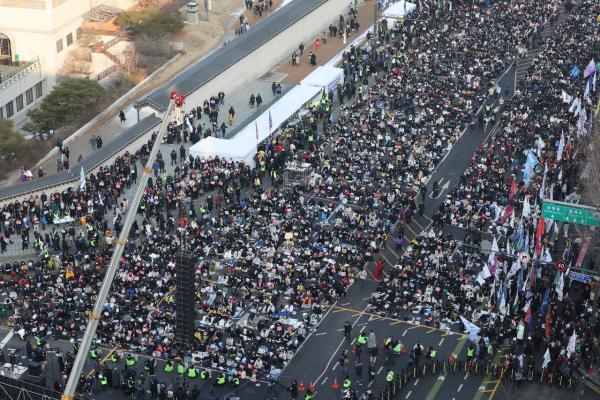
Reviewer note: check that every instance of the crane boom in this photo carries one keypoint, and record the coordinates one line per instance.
(95, 315)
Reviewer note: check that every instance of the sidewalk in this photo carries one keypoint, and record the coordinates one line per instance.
(295, 73)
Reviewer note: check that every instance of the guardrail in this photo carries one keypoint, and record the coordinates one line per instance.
(95, 159)
(107, 72)
(19, 75)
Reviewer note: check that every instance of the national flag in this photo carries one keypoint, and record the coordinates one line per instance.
(538, 236)
(256, 126)
(546, 358)
(270, 121)
(590, 69)
(559, 286)
(545, 303)
(561, 147)
(575, 71)
(82, 180)
(548, 322)
(571, 345)
(514, 268)
(470, 327)
(502, 306)
(532, 276)
(530, 163)
(543, 188)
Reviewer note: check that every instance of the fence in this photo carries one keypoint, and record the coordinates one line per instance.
(500, 371)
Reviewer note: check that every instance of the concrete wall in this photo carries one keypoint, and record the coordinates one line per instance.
(266, 57)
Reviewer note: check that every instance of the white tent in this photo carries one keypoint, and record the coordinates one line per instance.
(324, 76)
(399, 9)
(242, 147)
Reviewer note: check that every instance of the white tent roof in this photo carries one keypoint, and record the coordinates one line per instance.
(399, 9)
(242, 147)
(324, 76)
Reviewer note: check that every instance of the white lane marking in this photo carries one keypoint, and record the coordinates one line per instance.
(459, 388)
(7, 338)
(363, 328)
(321, 334)
(441, 378)
(404, 333)
(324, 380)
(334, 367)
(441, 341)
(366, 298)
(370, 384)
(352, 342)
(345, 304)
(417, 382)
(339, 330)
(379, 370)
(363, 324)
(408, 394)
(466, 376)
(338, 347)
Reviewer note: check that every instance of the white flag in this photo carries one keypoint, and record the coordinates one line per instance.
(560, 286)
(566, 98)
(526, 207)
(472, 329)
(82, 180)
(546, 357)
(561, 147)
(571, 345)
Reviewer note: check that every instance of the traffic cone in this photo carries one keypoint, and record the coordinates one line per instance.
(301, 387)
(335, 385)
(311, 388)
(353, 349)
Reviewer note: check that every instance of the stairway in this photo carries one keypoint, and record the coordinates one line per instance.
(524, 63)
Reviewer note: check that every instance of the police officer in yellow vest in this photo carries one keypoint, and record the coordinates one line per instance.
(470, 353)
(192, 373)
(347, 382)
(95, 354)
(203, 374)
(362, 339)
(398, 348)
(103, 382)
(389, 378)
(115, 358)
(168, 367)
(129, 361)
(180, 369)
(220, 380)
(234, 381)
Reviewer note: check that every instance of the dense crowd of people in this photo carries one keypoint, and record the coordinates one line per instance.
(537, 153)
(271, 260)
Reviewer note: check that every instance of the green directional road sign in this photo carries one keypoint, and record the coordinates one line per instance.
(572, 213)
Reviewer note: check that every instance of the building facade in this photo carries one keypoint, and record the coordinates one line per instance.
(35, 38)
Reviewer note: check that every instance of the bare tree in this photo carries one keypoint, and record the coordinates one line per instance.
(78, 62)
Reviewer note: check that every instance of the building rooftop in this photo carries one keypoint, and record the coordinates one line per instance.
(102, 13)
(6, 71)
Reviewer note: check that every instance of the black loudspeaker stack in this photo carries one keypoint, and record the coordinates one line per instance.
(185, 295)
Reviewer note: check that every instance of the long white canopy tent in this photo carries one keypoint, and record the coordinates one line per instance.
(243, 146)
